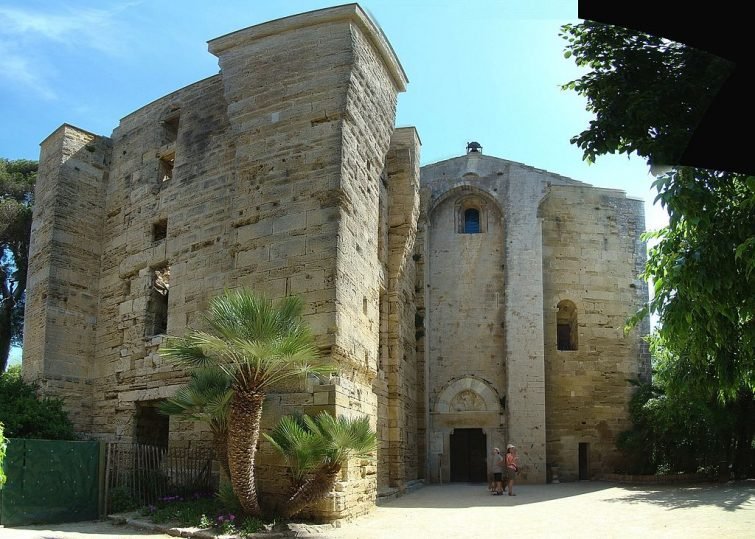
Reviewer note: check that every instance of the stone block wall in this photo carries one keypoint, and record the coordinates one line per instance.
(396, 385)
(265, 176)
(420, 333)
(192, 210)
(64, 261)
(525, 397)
(466, 297)
(591, 257)
(516, 264)
(464, 317)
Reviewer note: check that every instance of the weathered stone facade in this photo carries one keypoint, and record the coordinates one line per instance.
(494, 366)
(284, 173)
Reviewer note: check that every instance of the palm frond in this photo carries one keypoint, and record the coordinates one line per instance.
(206, 398)
(310, 442)
(301, 448)
(186, 351)
(347, 437)
(255, 342)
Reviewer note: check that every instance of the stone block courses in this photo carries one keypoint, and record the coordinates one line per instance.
(284, 173)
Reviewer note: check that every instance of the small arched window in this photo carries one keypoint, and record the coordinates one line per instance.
(470, 215)
(471, 221)
(566, 326)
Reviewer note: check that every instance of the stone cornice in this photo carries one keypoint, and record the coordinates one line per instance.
(348, 12)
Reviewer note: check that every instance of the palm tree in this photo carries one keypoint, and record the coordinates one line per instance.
(207, 398)
(258, 345)
(315, 450)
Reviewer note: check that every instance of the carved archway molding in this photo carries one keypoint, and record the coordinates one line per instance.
(467, 394)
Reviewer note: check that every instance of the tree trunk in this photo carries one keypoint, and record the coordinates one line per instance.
(314, 489)
(220, 444)
(246, 411)
(6, 327)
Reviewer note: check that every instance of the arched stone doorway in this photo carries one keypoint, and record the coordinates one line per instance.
(467, 422)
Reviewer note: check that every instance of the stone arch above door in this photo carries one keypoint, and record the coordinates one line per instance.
(468, 394)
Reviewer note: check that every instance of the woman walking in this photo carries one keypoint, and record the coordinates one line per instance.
(512, 467)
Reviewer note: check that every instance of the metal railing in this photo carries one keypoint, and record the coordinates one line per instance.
(143, 474)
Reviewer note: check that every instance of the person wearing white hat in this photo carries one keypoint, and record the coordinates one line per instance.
(498, 469)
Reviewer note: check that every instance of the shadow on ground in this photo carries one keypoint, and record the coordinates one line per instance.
(729, 496)
(96, 529)
(460, 495)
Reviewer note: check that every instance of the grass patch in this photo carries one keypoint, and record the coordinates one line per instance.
(190, 513)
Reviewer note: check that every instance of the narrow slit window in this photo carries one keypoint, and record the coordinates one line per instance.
(157, 306)
(471, 221)
(566, 326)
(160, 230)
(166, 167)
(170, 129)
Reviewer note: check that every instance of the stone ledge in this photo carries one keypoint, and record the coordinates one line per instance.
(278, 530)
(393, 493)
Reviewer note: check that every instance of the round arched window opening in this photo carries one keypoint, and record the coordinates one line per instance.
(471, 216)
(566, 326)
(472, 221)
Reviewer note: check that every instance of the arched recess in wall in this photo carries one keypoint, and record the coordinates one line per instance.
(474, 208)
(566, 326)
(468, 394)
(471, 215)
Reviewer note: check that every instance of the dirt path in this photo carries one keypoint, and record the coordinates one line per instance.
(579, 510)
(79, 530)
(565, 510)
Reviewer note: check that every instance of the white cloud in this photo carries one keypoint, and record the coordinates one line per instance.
(87, 28)
(19, 71)
(29, 37)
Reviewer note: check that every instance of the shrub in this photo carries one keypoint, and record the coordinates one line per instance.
(3, 445)
(27, 416)
(673, 433)
(196, 511)
(121, 500)
(202, 512)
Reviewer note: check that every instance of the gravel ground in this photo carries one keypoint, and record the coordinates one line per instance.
(585, 509)
(593, 509)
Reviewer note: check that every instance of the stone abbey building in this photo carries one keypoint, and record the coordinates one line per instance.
(465, 304)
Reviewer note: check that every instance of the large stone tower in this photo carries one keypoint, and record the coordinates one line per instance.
(282, 173)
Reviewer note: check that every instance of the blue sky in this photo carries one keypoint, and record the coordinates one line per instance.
(488, 71)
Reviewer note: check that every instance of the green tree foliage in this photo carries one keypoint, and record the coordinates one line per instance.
(704, 284)
(315, 450)
(27, 416)
(16, 197)
(648, 95)
(258, 345)
(3, 445)
(682, 434)
(206, 398)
